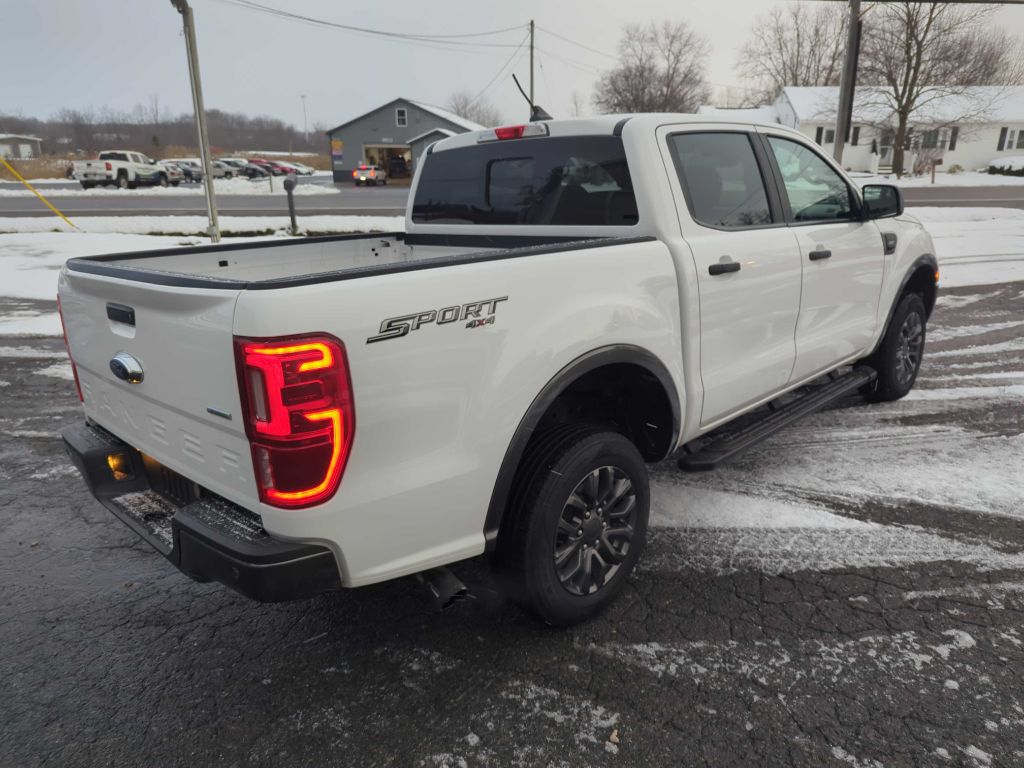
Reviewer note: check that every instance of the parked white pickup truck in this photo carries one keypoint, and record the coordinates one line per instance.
(570, 301)
(121, 168)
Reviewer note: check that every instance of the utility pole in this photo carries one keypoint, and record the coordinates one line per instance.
(197, 101)
(531, 63)
(844, 116)
(305, 124)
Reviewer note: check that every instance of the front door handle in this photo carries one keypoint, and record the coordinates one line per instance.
(819, 255)
(724, 267)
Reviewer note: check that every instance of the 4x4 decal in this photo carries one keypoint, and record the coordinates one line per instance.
(474, 314)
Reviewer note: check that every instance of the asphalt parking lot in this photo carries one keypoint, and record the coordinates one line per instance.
(849, 593)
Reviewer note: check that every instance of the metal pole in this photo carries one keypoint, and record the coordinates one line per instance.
(305, 124)
(197, 101)
(531, 64)
(846, 86)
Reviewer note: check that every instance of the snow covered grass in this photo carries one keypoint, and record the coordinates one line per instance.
(976, 246)
(196, 225)
(965, 179)
(221, 187)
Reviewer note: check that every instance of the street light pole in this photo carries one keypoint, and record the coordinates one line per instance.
(197, 101)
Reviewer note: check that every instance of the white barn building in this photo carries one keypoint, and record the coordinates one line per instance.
(968, 129)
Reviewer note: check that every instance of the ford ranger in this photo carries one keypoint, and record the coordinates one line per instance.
(569, 301)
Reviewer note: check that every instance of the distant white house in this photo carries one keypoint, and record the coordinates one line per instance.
(968, 129)
(18, 147)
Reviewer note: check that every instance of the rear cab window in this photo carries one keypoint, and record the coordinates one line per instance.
(722, 179)
(565, 180)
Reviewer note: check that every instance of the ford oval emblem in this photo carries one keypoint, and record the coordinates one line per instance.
(126, 368)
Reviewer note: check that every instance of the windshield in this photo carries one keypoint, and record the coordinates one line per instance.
(569, 181)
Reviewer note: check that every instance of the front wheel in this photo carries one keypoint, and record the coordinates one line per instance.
(122, 182)
(578, 523)
(898, 357)
(162, 181)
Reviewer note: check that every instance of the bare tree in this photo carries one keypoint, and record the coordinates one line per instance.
(794, 45)
(924, 53)
(660, 69)
(464, 104)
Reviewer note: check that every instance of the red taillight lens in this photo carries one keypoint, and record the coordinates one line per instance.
(373, 174)
(108, 166)
(354, 174)
(510, 132)
(299, 416)
(74, 370)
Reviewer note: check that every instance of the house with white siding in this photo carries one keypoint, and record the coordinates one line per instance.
(967, 129)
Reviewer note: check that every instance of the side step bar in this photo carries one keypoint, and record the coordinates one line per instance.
(708, 452)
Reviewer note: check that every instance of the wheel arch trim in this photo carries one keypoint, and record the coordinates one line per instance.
(924, 260)
(582, 365)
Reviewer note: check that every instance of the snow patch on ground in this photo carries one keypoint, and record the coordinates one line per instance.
(674, 506)
(57, 371)
(31, 352)
(196, 225)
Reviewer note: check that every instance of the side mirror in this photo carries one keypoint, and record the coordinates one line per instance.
(882, 201)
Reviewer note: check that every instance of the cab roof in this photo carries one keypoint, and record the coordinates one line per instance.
(614, 125)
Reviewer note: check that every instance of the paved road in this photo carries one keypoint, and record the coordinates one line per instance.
(849, 593)
(376, 201)
(984, 197)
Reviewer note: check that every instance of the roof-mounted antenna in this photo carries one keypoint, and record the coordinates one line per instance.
(536, 113)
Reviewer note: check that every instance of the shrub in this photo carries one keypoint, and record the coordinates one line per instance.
(955, 168)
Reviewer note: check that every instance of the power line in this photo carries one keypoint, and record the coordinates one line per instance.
(587, 68)
(446, 39)
(578, 45)
(508, 61)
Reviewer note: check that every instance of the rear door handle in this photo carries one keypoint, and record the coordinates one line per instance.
(819, 255)
(724, 267)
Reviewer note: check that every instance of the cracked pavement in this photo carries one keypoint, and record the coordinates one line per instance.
(849, 593)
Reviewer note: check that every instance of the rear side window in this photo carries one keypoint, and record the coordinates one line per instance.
(722, 179)
(567, 181)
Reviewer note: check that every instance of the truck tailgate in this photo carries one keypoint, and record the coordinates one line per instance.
(185, 413)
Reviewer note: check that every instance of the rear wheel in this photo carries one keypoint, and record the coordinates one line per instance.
(577, 523)
(86, 184)
(898, 357)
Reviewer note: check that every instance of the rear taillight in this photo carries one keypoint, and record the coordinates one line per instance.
(354, 174)
(299, 415)
(108, 166)
(373, 174)
(74, 370)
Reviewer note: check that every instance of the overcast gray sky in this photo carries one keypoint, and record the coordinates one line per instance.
(118, 53)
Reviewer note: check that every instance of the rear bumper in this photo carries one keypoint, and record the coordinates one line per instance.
(208, 538)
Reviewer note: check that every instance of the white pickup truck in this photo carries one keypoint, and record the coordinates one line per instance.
(121, 168)
(569, 301)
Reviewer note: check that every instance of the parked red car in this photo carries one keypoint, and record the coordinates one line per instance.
(274, 167)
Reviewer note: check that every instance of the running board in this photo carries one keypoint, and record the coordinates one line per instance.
(708, 452)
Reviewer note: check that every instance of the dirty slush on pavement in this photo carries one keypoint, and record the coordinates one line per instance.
(847, 593)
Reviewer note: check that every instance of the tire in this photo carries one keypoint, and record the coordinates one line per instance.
(161, 180)
(86, 184)
(557, 504)
(122, 181)
(175, 183)
(898, 357)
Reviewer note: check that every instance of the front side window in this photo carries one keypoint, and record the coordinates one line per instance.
(401, 117)
(722, 179)
(570, 181)
(815, 190)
